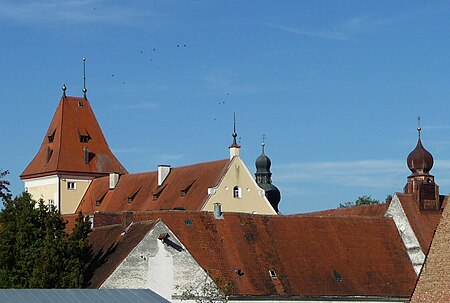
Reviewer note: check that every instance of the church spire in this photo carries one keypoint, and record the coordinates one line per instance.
(421, 183)
(234, 147)
(264, 178)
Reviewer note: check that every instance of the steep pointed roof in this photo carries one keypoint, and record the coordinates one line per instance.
(73, 135)
(434, 280)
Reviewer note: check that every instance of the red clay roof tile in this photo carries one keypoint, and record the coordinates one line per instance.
(434, 282)
(305, 252)
(62, 150)
(146, 193)
(375, 210)
(423, 223)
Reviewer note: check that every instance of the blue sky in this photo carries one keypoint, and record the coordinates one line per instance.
(336, 86)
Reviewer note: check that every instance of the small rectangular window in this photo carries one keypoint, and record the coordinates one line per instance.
(272, 273)
(71, 185)
(51, 202)
(84, 139)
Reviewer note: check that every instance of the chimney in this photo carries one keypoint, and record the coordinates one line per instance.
(218, 214)
(388, 200)
(86, 155)
(113, 180)
(163, 172)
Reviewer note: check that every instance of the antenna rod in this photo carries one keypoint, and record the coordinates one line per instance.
(84, 78)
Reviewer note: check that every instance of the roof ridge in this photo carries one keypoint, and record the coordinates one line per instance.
(61, 132)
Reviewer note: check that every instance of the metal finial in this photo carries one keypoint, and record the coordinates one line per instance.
(84, 79)
(64, 90)
(234, 133)
(418, 126)
(263, 144)
(234, 128)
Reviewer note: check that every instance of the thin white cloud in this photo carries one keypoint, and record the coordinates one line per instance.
(135, 106)
(366, 173)
(73, 11)
(361, 24)
(330, 35)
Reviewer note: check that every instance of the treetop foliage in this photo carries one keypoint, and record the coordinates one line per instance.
(362, 200)
(35, 249)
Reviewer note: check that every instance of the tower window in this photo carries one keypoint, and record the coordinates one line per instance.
(84, 138)
(71, 185)
(237, 193)
(51, 137)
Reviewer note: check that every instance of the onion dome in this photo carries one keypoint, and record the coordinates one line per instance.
(263, 164)
(264, 180)
(420, 161)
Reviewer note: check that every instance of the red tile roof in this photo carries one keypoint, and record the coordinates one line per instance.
(434, 281)
(423, 223)
(311, 256)
(140, 192)
(110, 245)
(62, 148)
(375, 210)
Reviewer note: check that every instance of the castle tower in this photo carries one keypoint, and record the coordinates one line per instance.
(74, 151)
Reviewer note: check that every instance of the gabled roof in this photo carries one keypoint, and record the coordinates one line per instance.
(73, 128)
(423, 223)
(184, 188)
(110, 245)
(434, 280)
(310, 256)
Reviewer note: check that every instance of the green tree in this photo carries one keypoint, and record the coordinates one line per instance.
(36, 251)
(362, 200)
(4, 190)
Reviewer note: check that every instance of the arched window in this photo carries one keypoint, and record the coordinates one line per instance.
(237, 193)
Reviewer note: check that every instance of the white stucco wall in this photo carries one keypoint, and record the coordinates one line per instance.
(415, 253)
(159, 267)
(45, 188)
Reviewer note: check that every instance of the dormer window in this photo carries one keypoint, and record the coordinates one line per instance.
(272, 273)
(237, 192)
(80, 104)
(158, 193)
(51, 137)
(84, 136)
(84, 139)
(100, 200)
(133, 196)
(186, 189)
